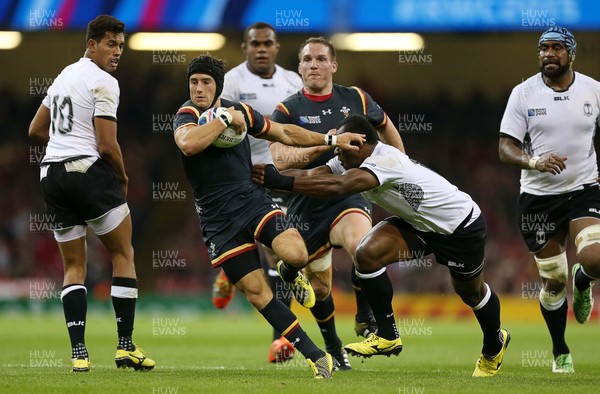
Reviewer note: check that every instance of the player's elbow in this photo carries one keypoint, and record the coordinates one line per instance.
(37, 133)
(337, 188)
(503, 154)
(186, 148)
(107, 148)
(281, 164)
(34, 134)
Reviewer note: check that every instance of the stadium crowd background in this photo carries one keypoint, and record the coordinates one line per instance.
(447, 104)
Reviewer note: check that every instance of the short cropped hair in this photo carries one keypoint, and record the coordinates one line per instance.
(360, 124)
(102, 24)
(258, 25)
(318, 40)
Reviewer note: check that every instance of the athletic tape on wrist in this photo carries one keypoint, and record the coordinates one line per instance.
(533, 161)
(226, 118)
(330, 140)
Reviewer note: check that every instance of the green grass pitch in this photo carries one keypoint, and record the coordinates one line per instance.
(226, 353)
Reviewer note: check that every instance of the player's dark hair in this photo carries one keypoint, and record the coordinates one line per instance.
(102, 24)
(361, 125)
(258, 25)
(318, 40)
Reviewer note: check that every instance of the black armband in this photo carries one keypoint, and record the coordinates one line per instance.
(274, 180)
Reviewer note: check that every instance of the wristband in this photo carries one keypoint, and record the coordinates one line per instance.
(274, 180)
(330, 140)
(533, 161)
(226, 118)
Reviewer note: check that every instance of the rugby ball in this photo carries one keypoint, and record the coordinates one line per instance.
(229, 137)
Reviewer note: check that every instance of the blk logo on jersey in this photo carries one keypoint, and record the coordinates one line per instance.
(536, 111)
(588, 109)
(561, 98)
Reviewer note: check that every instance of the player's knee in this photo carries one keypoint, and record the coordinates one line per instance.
(321, 290)
(554, 269)
(367, 258)
(587, 242)
(290, 248)
(471, 296)
(76, 272)
(295, 257)
(124, 259)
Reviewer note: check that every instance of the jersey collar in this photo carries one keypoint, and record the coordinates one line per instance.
(318, 99)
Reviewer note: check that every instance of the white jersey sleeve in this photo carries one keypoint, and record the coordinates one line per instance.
(335, 165)
(231, 85)
(106, 98)
(514, 121)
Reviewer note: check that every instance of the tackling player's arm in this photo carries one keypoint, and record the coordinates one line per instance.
(388, 134)
(192, 138)
(511, 152)
(109, 149)
(293, 135)
(39, 129)
(316, 182)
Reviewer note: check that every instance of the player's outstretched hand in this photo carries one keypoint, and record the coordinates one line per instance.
(350, 141)
(552, 163)
(267, 176)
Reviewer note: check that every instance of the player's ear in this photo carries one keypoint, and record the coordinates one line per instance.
(334, 66)
(91, 45)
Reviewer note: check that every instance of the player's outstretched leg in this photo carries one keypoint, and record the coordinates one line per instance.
(320, 273)
(377, 249)
(282, 319)
(486, 306)
(378, 291)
